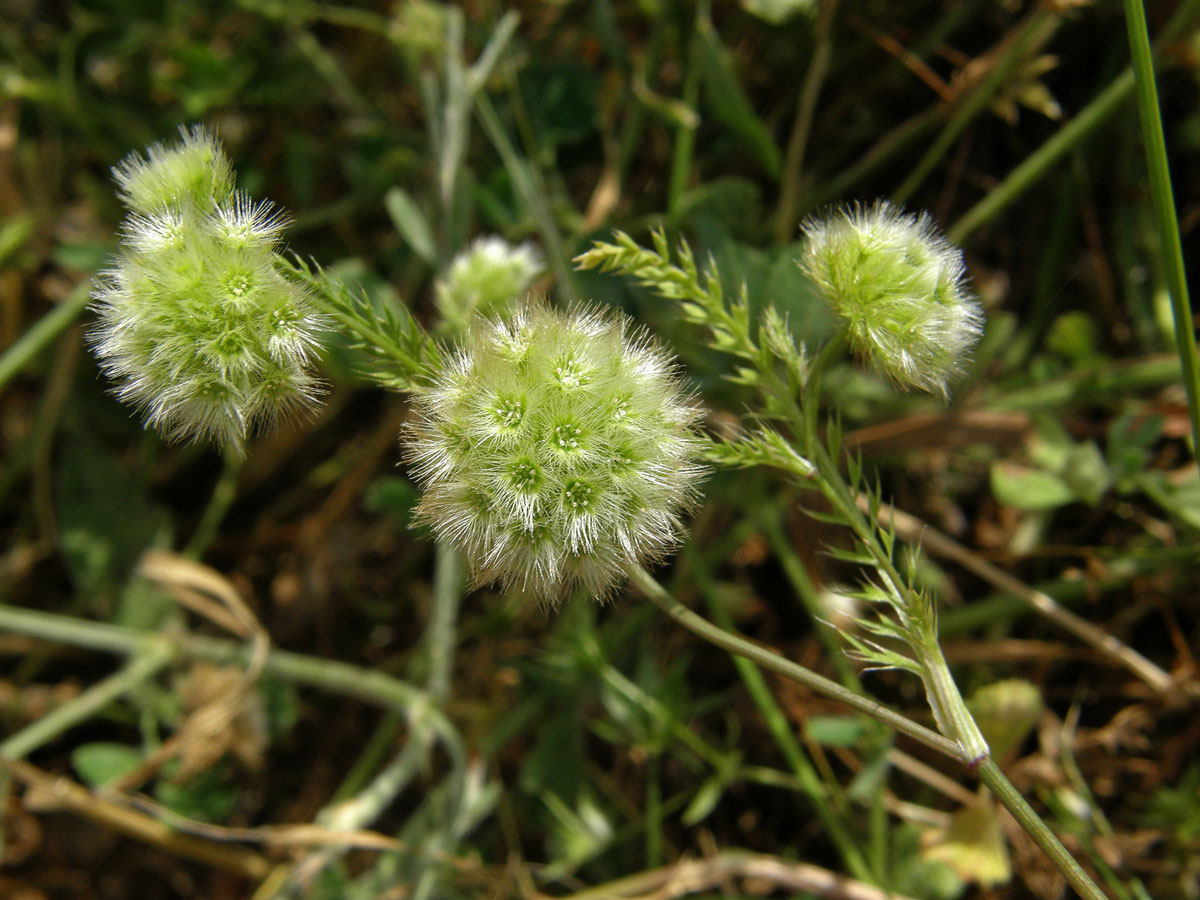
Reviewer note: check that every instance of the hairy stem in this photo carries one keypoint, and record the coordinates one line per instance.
(337, 677)
(989, 773)
(147, 662)
(773, 662)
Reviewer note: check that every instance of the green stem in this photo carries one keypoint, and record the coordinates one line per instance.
(808, 414)
(797, 574)
(323, 297)
(155, 655)
(949, 709)
(1098, 384)
(337, 677)
(1045, 157)
(222, 498)
(986, 769)
(991, 775)
(441, 633)
(814, 77)
(818, 793)
(685, 136)
(531, 190)
(1164, 207)
(974, 103)
(773, 662)
(48, 327)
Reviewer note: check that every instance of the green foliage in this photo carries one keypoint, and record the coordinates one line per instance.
(100, 763)
(394, 350)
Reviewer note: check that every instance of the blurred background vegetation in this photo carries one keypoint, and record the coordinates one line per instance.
(603, 742)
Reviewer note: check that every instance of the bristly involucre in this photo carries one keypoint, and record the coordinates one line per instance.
(195, 324)
(557, 450)
(901, 288)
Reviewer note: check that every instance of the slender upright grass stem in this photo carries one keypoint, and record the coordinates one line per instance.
(819, 794)
(685, 135)
(1163, 201)
(975, 102)
(528, 185)
(221, 499)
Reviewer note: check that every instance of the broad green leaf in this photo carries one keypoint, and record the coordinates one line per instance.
(1087, 472)
(973, 846)
(871, 777)
(705, 800)
(776, 12)
(209, 797)
(1073, 336)
(1006, 711)
(1030, 489)
(102, 763)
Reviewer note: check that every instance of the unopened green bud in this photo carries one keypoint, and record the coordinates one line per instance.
(901, 289)
(195, 323)
(557, 450)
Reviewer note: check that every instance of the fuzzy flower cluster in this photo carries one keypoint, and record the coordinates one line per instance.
(900, 287)
(484, 277)
(557, 450)
(196, 325)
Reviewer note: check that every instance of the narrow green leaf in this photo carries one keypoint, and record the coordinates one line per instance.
(728, 100)
(410, 222)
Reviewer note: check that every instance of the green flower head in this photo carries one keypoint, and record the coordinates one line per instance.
(556, 450)
(195, 324)
(483, 278)
(900, 287)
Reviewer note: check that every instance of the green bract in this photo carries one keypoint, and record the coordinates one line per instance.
(195, 323)
(901, 289)
(556, 450)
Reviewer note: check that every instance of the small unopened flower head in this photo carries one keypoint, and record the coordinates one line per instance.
(484, 277)
(900, 286)
(194, 322)
(557, 450)
(195, 173)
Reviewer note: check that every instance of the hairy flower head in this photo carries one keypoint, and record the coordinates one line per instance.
(484, 277)
(900, 287)
(194, 322)
(557, 450)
